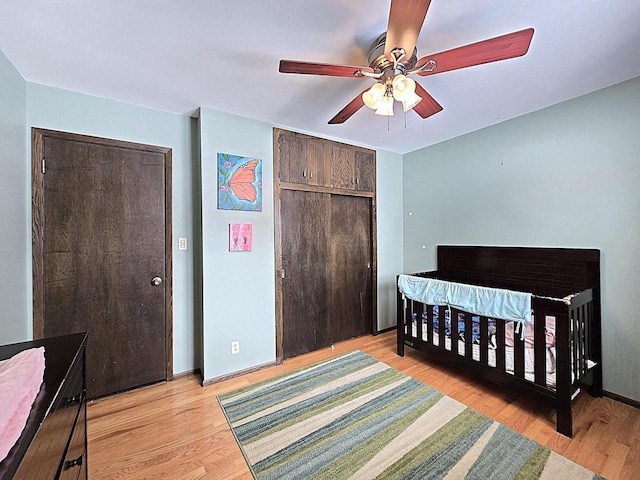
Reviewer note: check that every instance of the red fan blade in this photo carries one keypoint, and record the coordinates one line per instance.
(492, 50)
(405, 21)
(310, 68)
(352, 107)
(428, 106)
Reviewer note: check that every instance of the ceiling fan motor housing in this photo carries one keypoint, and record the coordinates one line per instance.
(381, 64)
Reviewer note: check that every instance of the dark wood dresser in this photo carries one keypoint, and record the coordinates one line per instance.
(53, 444)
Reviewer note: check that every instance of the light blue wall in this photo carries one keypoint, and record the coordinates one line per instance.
(15, 232)
(389, 220)
(66, 111)
(565, 176)
(238, 287)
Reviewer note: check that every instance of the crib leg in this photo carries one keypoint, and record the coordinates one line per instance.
(595, 390)
(400, 315)
(564, 421)
(400, 347)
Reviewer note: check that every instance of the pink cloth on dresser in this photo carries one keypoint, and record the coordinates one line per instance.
(20, 380)
(550, 333)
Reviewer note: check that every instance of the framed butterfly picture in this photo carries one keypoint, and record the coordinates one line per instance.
(239, 183)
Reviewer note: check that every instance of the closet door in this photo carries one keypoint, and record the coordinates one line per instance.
(306, 268)
(326, 260)
(351, 300)
(325, 204)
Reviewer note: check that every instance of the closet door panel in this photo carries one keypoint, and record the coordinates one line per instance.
(307, 271)
(343, 167)
(293, 165)
(319, 161)
(351, 260)
(365, 171)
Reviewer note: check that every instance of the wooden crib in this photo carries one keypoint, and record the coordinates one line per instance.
(565, 288)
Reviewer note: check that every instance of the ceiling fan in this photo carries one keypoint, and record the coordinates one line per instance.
(393, 57)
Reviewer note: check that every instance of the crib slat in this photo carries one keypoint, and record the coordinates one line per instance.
(540, 348)
(575, 342)
(484, 339)
(518, 354)
(430, 324)
(442, 325)
(581, 339)
(500, 346)
(587, 329)
(419, 308)
(468, 335)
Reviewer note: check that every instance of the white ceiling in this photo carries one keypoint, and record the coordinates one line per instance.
(179, 55)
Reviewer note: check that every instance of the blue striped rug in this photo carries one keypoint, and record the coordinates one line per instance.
(353, 417)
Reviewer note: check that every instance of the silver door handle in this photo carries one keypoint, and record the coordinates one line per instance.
(156, 281)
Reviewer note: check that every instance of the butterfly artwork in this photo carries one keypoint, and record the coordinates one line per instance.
(239, 183)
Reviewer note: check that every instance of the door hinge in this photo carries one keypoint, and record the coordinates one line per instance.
(281, 273)
(43, 166)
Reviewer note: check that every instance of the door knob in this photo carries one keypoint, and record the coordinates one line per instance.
(156, 281)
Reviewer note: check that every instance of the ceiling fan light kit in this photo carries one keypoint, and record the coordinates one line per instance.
(390, 67)
(380, 96)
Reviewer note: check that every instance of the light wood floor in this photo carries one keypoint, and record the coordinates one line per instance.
(177, 430)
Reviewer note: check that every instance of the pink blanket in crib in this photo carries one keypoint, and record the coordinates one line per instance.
(20, 380)
(550, 333)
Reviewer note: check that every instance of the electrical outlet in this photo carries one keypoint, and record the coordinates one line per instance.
(235, 347)
(182, 243)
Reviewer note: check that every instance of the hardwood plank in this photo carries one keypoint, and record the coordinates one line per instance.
(177, 429)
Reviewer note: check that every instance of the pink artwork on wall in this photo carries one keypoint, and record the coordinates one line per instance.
(240, 238)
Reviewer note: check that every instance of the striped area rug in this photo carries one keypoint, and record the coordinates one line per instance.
(353, 417)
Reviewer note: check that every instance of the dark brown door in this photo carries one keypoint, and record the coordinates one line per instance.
(351, 301)
(326, 259)
(306, 263)
(105, 268)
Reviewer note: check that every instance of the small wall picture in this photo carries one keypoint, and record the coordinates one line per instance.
(240, 238)
(239, 183)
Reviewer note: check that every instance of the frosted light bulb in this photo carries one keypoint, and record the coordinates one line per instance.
(403, 87)
(411, 101)
(372, 97)
(385, 106)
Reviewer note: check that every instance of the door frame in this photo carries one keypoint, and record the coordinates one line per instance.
(38, 136)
